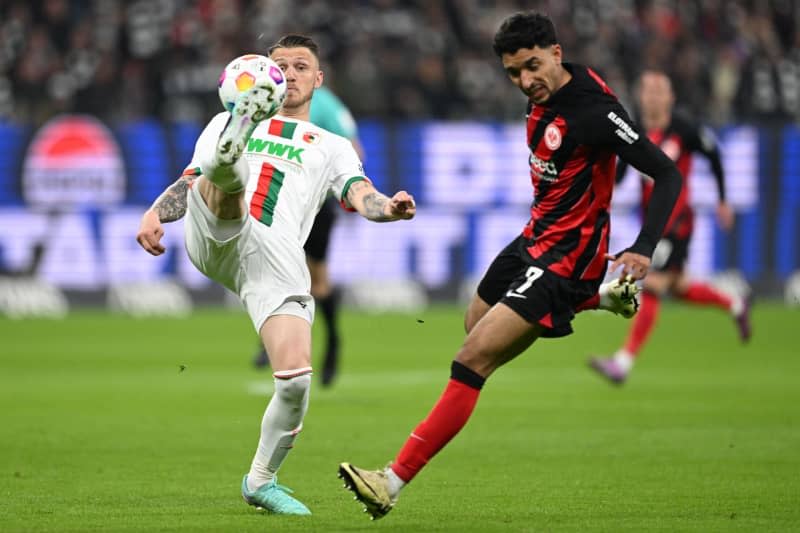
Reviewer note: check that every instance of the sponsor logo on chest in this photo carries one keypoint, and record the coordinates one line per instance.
(275, 148)
(541, 169)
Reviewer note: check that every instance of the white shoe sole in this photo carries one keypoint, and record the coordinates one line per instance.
(252, 107)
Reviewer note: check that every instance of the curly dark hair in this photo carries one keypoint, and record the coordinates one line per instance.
(524, 30)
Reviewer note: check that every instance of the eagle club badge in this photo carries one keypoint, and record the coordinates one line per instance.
(552, 137)
(311, 137)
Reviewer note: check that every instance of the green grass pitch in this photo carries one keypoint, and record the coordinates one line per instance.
(101, 430)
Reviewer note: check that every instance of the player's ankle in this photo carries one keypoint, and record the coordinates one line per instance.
(256, 480)
(737, 305)
(396, 483)
(606, 302)
(624, 360)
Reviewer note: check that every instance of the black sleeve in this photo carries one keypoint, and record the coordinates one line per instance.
(701, 139)
(612, 128)
(622, 167)
(649, 159)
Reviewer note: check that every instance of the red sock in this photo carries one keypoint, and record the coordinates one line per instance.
(444, 421)
(643, 323)
(701, 293)
(591, 303)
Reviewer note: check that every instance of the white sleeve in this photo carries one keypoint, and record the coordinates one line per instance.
(207, 142)
(345, 169)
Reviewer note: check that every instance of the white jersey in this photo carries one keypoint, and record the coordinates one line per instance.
(293, 164)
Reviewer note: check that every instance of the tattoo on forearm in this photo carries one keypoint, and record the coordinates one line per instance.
(171, 205)
(374, 204)
(373, 201)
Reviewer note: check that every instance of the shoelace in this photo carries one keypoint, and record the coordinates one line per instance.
(278, 486)
(284, 503)
(283, 488)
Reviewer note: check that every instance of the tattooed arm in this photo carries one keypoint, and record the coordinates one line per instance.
(168, 207)
(376, 206)
(171, 205)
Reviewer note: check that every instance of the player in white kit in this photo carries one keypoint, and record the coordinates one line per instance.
(251, 192)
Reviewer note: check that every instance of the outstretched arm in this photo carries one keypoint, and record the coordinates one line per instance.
(610, 126)
(171, 204)
(704, 141)
(650, 160)
(168, 207)
(378, 207)
(725, 214)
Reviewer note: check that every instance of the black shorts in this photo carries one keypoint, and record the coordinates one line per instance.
(316, 246)
(534, 293)
(671, 253)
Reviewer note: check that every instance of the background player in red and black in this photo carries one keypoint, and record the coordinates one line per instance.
(576, 129)
(679, 138)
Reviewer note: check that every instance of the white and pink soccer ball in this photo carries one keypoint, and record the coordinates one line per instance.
(248, 71)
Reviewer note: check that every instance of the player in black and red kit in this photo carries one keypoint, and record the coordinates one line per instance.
(576, 129)
(679, 138)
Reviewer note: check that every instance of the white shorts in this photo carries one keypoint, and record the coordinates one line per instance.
(266, 270)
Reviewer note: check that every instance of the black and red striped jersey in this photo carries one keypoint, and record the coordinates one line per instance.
(574, 139)
(679, 140)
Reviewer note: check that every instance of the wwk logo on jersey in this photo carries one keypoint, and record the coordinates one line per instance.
(284, 151)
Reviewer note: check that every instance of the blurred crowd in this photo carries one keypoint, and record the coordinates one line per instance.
(736, 60)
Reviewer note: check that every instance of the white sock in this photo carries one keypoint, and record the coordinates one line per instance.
(737, 305)
(282, 421)
(229, 178)
(605, 301)
(395, 482)
(624, 360)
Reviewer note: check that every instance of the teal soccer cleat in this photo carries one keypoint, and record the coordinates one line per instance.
(273, 498)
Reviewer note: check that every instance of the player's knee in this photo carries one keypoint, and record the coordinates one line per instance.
(679, 286)
(292, 390)
(474, 313)
(476, 358)
(470, 321)
(320, 289)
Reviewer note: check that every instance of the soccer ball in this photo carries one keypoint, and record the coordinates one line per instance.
(248, 71)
